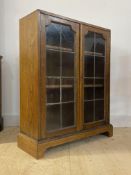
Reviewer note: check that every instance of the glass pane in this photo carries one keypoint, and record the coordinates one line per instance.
(100, 44)
(88, 89)
(89, 82)
(53, 34)
(67, 114)
(53, 90)
(99, 89)
(52, 63)
(67, 64)
(99, 67)
(67, 37)
(89, 66)
(53, 117)
(99, 109)
(88, 111)
(89, 42)
(89, 93)
(59, 76)
(67, 89)
(94, 77)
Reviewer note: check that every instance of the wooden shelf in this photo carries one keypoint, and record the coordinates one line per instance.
(71, 86)
(59, 103)
(92, 85)
(57, 48)
(93, 54)
(60, 77)
(58, 86)
(98, 99)
(101, 78)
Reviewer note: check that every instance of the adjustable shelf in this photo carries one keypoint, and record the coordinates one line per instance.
(98, 99)
(58, 86)
(60, 77)
(57, 48)
(93, 77)
(94, 54)
(71, 86)
(59, 103)
(92, 85)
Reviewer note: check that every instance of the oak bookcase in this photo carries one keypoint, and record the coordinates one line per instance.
(64, 81)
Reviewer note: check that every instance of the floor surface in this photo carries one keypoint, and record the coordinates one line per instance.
(99, 155)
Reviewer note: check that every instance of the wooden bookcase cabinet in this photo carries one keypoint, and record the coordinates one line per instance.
(64, 81)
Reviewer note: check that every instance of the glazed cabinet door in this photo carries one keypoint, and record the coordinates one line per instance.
(60, 57)
(95, 46)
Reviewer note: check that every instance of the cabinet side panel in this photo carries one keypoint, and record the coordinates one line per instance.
(29, 75)
(107, 81)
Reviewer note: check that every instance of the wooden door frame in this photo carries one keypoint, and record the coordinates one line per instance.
(106, 34)
(45, 19)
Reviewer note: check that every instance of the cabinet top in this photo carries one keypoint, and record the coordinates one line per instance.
(67, 18)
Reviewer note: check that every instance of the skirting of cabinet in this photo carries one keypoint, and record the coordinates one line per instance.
(38, 148)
